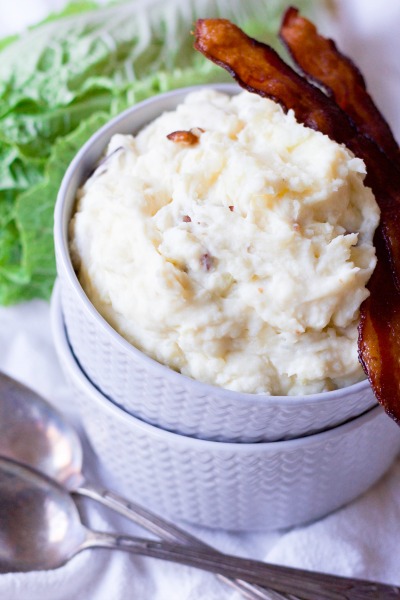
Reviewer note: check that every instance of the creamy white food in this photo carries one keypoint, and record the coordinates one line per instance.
(240, 260)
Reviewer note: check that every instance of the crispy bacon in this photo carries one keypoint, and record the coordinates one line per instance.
(321, 61)
(379, 334)
(379, 340)
(259, 69)
(186, 137)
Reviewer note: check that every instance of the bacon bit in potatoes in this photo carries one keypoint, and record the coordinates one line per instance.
(186, 137)
(231, 208)
(186, 219)
(207, 261)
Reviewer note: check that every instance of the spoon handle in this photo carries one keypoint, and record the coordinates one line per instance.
(169, 532)
(306, 584)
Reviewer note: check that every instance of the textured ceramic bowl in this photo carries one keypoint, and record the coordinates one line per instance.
(152, 391)
(232, 486)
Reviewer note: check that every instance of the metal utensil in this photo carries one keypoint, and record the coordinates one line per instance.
(34, 433)
(40, 528)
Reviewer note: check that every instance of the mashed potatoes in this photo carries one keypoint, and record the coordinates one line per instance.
(237, 253)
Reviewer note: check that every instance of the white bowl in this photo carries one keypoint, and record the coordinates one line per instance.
(154, 392)
(231, 486)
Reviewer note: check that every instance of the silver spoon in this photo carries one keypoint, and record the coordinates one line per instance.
(40, 529)
(34, 433)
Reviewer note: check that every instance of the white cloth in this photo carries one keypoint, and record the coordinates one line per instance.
(359, 540)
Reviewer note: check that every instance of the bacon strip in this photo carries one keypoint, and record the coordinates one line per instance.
(379, 334)
(321, 61)
(259, 69)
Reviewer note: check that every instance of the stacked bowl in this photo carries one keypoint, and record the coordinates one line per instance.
(194, 451)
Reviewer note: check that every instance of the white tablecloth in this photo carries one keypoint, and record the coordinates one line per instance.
(360, 540)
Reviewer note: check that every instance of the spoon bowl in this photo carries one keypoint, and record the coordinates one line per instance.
(39, 523)
(36, 434)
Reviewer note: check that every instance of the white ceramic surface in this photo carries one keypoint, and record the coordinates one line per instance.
(259, 486)
(152, 391)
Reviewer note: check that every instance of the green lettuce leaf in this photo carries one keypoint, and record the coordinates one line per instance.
(34, 211)
(64, 77)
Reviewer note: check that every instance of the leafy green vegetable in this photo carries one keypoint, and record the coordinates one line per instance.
(34, 210)
(64, 78)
